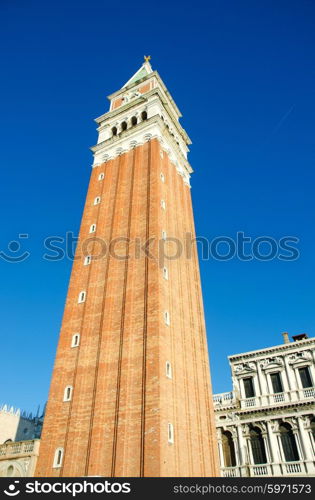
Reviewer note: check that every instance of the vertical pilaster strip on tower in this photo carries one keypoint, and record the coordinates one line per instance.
(145, 320)
(122, 325)
(116, 161)
(185, 329)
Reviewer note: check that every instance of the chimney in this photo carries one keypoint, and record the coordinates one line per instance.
(301, 336)
(286, 339)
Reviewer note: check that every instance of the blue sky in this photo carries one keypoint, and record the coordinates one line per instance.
(242, 73)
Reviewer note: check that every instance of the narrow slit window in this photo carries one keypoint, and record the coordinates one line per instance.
(164, 235)
(97, 200)
(163, 204)
(170, 432)
(58, 458)
(162, 177)
(87, 260)
(75, 340)
(167, 318)
(82, 297)
(101, 176)
(93, 228)
(67, 395)
(168, 370)
(165, 273)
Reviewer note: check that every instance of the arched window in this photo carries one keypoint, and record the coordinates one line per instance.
(170, 433)
(93, 228)
(58, 458)
(75, 340)
(165, 273)
(123, 126)
(114, 131)
(134, 121)
(144, 115)
(67, 395)
(101, 176)
(228, 449)
(81, 298)
(167, 320)
(168, 369)
(258, 446)
(10, 471)
(288, 442)
(97, 200)
(87, 260)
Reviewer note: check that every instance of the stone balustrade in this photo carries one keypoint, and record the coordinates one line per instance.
(228, 399)
(18, 448)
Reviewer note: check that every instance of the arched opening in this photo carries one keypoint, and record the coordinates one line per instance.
(75, 340)
(258, 446)
(58, 457)
(114, 131)
(134, 121)
(144, 115)
(10, 471)
(228, 449)
(67, 395)
(288, 442)
(123, 126)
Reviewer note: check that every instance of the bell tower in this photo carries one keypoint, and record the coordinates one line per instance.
(130, 392)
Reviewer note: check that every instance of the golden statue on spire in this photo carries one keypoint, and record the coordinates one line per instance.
(147, 58)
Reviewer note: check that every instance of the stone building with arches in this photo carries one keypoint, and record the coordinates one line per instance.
(19, 441)
(266, 425)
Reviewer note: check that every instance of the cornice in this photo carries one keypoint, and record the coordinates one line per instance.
(280, 348)
(117, 145)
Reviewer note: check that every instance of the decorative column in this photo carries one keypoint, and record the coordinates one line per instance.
(303, 422)
(242, 452)
(274, 448)
(291, 379)
(221, 454)
(263, 385)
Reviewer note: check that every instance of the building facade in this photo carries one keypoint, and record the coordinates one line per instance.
(130, 392)
(19, 442)
(17, 425)
(266, 425)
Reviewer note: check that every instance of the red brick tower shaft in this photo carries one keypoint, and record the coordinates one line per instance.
(130, 392)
